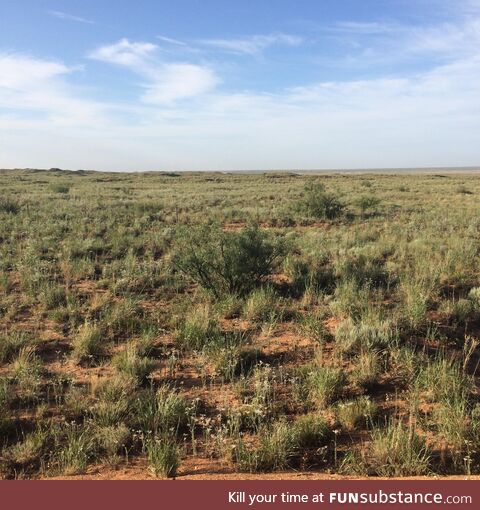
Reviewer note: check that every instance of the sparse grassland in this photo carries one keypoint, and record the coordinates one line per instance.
(158, 322)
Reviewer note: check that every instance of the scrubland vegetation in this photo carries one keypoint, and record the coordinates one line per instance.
(239, 322)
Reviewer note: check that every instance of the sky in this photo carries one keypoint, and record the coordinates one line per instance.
(239, 84)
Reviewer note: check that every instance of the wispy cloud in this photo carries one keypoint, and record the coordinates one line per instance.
(363, 28)
(252, 45)
(29, 84)
(164, 82)
(70, 17)
(135, 55)
(170, 40)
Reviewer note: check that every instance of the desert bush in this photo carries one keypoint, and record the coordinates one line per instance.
(77, 402)
(10, 344)
(199, 329)
(228, 262)
(404, 364)
(111, 440)
(312, 326)
(59, 188)
(74, 448)
(416, 297)
(395, 450)
(233, 361)
(146, 343)
(9, 205)
(320, 386)
(356, 413)
(27, 372)
(317, 275)
(276, 448)
(262, 304)
(366, 369)
(442, 379)
(458, 312)
(113, 403)
(52, 296)
(132, 365)
(351, 336)
(123, 318)
(320, 204)
(364, 270)
(310, 431)
(89, 343)
(367, 202)
(4, 406)
(26, 456)
(452, 422)
(351, 299)
(163, 456)
(474, 297)
(162, 412)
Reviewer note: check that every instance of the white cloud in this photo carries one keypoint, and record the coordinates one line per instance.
(252, 45)
(170, 40)
(18, 71)
(164, 82)
(125, 53)
(373, 44)
(178, 81)
(70, 17)
(363, 28)
(29, 84)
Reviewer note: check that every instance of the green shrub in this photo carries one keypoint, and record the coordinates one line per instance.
(4, 406)
(396, 451)
(129, 363)
(162, 412)
(113, 403)
(163, 456)
(199, 329)
(367, 202)
(363, 270)
(320, 204)
(74, 447)
(52, 296)
(366, 369)
(8, 205)
(351, 336)
(356, 413)
(474, 297)
(277, 447)
(10, 344)
(443, 379)
(123, 318)
(316, 275)
(77, 402)
(112, 439)
(27, 455)
(228, 262)
(321, 385)
(27, 371)
(261, 304)
(310, 431)
(313, 327)
(59, 188)
(233, 361)
(88, 344)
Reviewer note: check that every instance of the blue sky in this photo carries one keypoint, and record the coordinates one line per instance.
(244, 84)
